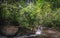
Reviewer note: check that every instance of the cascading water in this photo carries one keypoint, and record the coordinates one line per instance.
(39, 31)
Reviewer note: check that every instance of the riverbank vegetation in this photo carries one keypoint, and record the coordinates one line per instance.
(30, 13)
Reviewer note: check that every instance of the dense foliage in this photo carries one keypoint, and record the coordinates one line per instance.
(31, 13)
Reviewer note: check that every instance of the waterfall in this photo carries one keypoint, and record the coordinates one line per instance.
(39, 31)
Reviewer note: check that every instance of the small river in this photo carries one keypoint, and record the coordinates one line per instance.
(37, 33)
(40, 33)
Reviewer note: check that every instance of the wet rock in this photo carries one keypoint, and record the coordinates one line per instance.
(9, 30)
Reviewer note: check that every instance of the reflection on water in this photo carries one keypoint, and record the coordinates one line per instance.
(2, 36)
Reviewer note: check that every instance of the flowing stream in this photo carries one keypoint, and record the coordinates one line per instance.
(38, 32)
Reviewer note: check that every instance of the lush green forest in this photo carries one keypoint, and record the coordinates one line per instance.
(30, 13)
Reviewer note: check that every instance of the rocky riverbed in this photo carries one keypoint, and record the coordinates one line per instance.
(46, 33)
